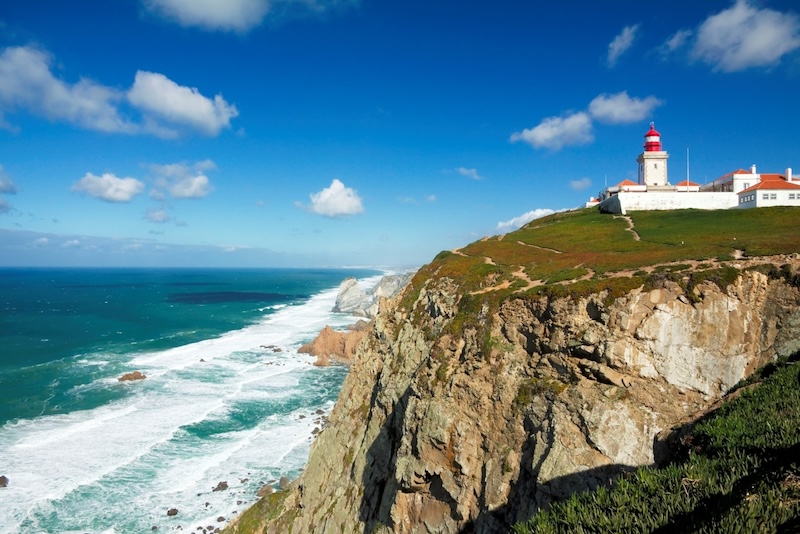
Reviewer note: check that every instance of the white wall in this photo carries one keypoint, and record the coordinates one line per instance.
(625, 201)
(781, 198)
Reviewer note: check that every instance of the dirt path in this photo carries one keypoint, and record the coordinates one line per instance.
(540, 248)
(630, 226)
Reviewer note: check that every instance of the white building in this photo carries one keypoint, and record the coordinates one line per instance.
(737, 189)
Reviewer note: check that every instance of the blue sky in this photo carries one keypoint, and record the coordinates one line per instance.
(363, 132)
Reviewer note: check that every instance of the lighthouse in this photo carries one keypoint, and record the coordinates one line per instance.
(653, 161)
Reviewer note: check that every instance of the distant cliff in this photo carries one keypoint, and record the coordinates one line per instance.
(483, 393)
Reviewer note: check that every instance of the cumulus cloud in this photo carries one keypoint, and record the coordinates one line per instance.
(621, 43)
(744, 36)
(163, 107)
(469, 173)
(557, 132)
(41, 242)
(231, 15)
(72, 243)
(235, 15)
(336, 201)
(522, 220)
(109, 187)
(431, 198)
(576, 128)
(182, 180)
(163, 100)
(580, 185)
(26, 82)
(620, 108)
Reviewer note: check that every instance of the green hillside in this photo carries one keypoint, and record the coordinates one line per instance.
(584, 251)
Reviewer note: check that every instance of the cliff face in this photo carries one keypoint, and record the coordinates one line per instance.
(454, 421)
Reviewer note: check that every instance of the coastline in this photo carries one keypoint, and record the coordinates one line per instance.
(198, 409)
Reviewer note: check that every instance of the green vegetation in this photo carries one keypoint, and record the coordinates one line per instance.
(581, 252)
(266, 509)
(535, 387)
(736, 471)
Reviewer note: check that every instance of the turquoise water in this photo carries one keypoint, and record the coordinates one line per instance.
(226, 397)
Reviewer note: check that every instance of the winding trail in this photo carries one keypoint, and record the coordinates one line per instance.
(630, 226)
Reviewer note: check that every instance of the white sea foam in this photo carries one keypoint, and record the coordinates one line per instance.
(119, 467)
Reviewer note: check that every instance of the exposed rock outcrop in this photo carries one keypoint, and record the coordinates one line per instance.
(135, 375)
(333, 345)
(352, 299)
(452, 421)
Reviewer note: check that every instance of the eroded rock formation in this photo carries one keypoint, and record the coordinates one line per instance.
(334, 345)
(452, 421)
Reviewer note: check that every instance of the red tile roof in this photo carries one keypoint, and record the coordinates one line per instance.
(626, 182)
(686, 183)
(771, 182)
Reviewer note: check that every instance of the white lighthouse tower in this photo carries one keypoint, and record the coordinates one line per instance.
(653, 161)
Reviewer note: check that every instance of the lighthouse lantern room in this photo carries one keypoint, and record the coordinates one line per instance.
(653, 161)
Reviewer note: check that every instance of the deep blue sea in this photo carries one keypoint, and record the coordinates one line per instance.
(227, 397)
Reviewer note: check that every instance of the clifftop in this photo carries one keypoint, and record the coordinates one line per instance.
(526, 367)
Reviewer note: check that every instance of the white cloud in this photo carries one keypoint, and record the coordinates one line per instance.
(621, 43)
(72, 243)
(232, 15)
(27, 83)
(557, 132)
(166, 108)
(191, 187)
(41, 242)
(676, 41)
(431, 198)
(522, 220)
(469, 173)
(580, 185)
(236, 15)
(336, 201)
(182, 180)
(744, 36)
(157, 95)
(5, 207)
(619, 108)
(108, 187)
(157, 215)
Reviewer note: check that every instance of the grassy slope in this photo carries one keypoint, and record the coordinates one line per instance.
(737, 471)
(584, 251)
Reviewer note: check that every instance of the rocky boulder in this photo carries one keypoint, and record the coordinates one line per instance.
(353, 299)
(333, 345)
(135, 375)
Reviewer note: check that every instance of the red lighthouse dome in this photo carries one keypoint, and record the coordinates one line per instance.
(652, 140)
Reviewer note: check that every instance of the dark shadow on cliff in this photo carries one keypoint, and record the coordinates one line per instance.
(378, 480)
(525, 497)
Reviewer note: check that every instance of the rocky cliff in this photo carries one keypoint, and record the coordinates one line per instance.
(462, 413)
(525, 367)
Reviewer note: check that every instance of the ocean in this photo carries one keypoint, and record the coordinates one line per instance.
(227, 397)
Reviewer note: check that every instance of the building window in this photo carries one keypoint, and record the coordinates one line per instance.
(773, 196)
(746, 185)
(764, 196)
(791, 196)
